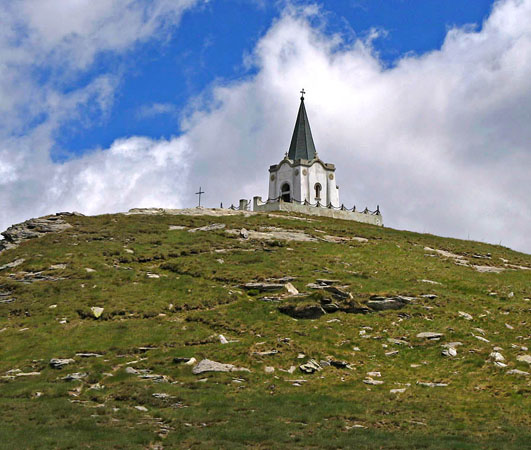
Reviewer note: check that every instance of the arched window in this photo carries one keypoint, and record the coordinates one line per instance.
(285, 192)
(317, 191)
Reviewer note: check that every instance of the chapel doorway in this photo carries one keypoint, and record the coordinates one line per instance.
(285, 192)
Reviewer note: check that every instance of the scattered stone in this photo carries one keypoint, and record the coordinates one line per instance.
(59, 363)
(27, 374)
(397, 341)
(131, 371)
(292, 290)
(333, 321)
(374, 374)
(429, 384)
(452, 344)
(141, 408)
(481, 338)
(339, 364)
(58, 267)
(465, 315)
(89, 355)
(324, 282)
(52, 306)
(337, 293)
(510, 327)
(206, 365)
(76, 376)
(517, 372)
(161, 395)
(391, 353)
(398, 391)
(310, 367)
(96, 311)
(128, 250)
(89, 270)
(488, 269)
(370, 381)
(388, 303)
(152, 275)
(12, 264)
(430, 335)
(500, 364)
(451, 351)
(212, 227)
(187, 361)
(429, 296)
(222, 339)
(429, 282)
(267, 353)
(244, 234)
(496, 356)
(269, 369)
(510, 295)
(524, 358)
(177, 227)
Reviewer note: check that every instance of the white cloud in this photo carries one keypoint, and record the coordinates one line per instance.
(441, 141)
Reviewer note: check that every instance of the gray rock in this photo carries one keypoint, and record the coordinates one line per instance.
(211, 227)
(96, 311)
(89, 355)
(206, 365)
(496, 356)
(430, 335)
(465, 315)
(385, 304)
(517, 372)
(12, 264)
(397, 341)
(310, 367)
(141, 408)
(290, 289)
(325, 282)
(59, 363)
(450, 351)
(430, 384)
(338, 293)
(244, 234)
(131, 370)
(524, 358)
(370, 381)
(263, 287)
(76, 376)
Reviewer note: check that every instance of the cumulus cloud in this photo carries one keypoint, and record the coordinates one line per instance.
(46, 46)
(440, 141)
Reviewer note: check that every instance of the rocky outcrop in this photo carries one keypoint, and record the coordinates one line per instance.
(34, 228)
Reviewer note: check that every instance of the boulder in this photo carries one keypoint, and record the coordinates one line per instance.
(206, 365)
(338, 293)
(59, 363)
(430, 335)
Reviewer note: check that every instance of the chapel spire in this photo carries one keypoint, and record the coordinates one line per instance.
(302, 146)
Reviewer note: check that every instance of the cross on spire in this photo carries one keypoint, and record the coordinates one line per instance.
(199, 194)
(302, 93)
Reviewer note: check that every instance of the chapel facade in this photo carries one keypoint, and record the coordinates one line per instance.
(302, 182)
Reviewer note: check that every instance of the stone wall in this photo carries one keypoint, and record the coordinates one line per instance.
(260, 206)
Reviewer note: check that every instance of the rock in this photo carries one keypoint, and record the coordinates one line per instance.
(128, 250)
(263, 287)
(96, 311)
(429, 282)
(58, 267)
(181, 360)
(211, 227)
(510, 295)
(359, 239)
(524, 358)
(267, 353)
(496, 356)
(76, 376)
(429, 296)
(372, 382)
(244, 234)
(12, 264)
(391, 353)
(152, 275)
(176, 227)
(398, 391)
(374, 374)
(430, 335)
(89, 355)
(324, 282)
(291, 289)
(339, 364)
(311, 311)
(337, 293)
(52, 306)
(465, 315)
(141, 408)
(310, 367)
(269, 369)
(387, 303)
(500, 364)
(30, 229)
(131, 370)
(481, 338)
(222, 339)
(27, 374)
(58, 363)
(452, 344)
(89, 270)
(517, 372)
(397, 341)
(206, 365)
(451, 351)
(429, 384)
(510, 327)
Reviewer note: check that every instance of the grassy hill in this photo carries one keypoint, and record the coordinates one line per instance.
(169, 290)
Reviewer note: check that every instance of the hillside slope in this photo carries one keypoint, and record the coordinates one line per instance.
(330, 334)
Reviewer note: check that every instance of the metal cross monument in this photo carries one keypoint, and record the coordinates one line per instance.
(199, 193)
(302, 93)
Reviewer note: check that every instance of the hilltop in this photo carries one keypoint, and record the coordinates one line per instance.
(223, 329)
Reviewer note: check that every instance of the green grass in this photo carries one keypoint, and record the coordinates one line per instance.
(198, 296)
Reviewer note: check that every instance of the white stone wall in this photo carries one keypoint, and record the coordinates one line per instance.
(302, 181)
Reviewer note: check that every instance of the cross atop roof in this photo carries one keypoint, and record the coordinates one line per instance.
(302, 93)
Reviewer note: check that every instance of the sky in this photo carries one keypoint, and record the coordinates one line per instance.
(423, 106)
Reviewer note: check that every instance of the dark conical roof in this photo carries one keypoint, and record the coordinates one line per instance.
(302, 146)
